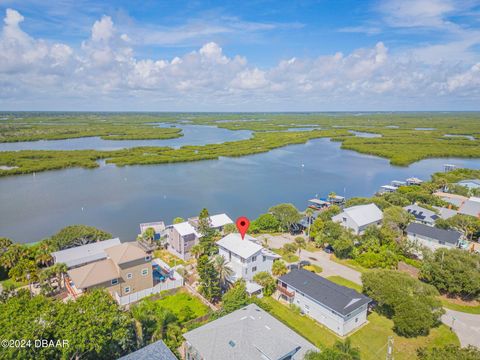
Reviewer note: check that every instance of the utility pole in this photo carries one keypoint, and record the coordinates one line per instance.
(390, 348)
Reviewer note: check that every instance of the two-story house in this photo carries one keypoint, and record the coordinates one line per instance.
(183, 236)
(127, 269)
(359, 217)
(245, 257)
(339, 308)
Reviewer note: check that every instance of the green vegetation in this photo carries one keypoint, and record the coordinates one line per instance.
(286, 214)
(371, 339)
(402, 145)
(287, 255)
(345, 282)
(94, 326)
(313, 268)
(453, 271)
(266, 280)
(341, 350)
(77, 235)
(449, 352)
(470, 309)
(170, 259)
(412, 305)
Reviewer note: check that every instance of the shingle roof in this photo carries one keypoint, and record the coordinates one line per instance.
(363, 214)
(421, 213)
(449, 236)
(155, 351)
(244, 248)
(445, 213)
(338, 298)
(249, 333)
(125, 252)
(84, 254)
(94, 273)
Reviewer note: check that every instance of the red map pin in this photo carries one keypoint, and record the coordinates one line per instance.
(242, 225)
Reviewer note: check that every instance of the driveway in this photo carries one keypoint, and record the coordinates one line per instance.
(320, 257)
(466, 326)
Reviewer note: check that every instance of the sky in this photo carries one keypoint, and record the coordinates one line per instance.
(324, 55)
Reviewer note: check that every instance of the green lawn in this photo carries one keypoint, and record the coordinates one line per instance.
(371, 339)
(287, 257)
(344, 282)
(16, 284)
(458, 307)
(177, 302)
(314, 268)
(168, 257)
(352, 264)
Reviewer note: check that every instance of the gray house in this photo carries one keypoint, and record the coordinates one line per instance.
(339, 308)
(422, 215)
(432, 237)
(249, 333)
(155, 351)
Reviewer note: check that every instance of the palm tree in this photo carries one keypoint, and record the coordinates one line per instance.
(300, 243)
(149, 235)
(4, 244)
(265, 242)
(42, 254)
(163, 317)
(346, 348)
(60, 269)
(12, 256)
(224, 271)
(309, 213)
(196, 251)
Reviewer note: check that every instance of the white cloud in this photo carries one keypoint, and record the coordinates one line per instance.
(104, 70)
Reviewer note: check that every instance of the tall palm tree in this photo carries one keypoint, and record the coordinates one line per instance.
(309, 213)
(12, 256)
(42, 254)
(224, 271)
(346, 348)
(60, 269)
(196, 251)
(300, 243)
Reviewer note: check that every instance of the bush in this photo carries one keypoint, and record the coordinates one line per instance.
(313, 268)
(267, 281)
(264, 223)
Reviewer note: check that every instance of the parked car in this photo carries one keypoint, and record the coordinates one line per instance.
(291, 267)
(329, 249)
(303, 263)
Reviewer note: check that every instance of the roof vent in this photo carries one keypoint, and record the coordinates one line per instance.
(231, 343)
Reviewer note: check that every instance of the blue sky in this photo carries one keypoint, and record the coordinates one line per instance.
(240, 55)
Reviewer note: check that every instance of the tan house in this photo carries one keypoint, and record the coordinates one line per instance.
(127, 269)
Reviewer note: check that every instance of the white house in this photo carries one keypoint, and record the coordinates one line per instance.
(245, 257)
(432, 237)
(359, 217)
(471, 184)
(339, 308)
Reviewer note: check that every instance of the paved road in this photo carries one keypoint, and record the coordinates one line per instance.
(466, 326)
(321, 258)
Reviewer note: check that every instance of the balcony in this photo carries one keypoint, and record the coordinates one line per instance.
(285, 292)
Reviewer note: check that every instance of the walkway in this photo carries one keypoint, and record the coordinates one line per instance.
(320, 257)
(466, 326)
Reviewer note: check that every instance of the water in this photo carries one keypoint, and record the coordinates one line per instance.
(118, 199)
(192, 135)
(365, 134)
(469, 137)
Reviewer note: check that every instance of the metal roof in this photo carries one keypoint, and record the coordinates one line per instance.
(84, 254)
(339, 298)
(449, 236)
(244, 248)
(361, 214)
(471, 207)
(249, 333)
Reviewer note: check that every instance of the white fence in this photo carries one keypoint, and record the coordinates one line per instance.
(167, 285)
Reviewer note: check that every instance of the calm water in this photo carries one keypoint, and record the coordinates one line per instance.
(192, 135)
(118, 199)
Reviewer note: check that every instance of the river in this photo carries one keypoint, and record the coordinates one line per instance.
(117, 199)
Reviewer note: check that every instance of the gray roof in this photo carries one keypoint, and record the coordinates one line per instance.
(339, 298)
(155, 351)
(471, 207)
(249, 333)
(445, 213)
(422, 214)
(449, 236)
(84, 254)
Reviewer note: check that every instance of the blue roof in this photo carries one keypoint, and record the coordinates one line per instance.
(155, 351)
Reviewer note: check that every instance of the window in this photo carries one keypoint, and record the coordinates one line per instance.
(356, 320)
(254, 269)
(126, 289)
(148, 258)
(144, 272)
(254, 258)
(264, 258)
(129, 275)
(114, 281)
(307, 307)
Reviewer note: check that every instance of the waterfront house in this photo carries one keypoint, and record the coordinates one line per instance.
(84, 254)
(359, 217)
(157, 226)
(128, 273)
(249, 333)
(245, 257)
(470, 207)
(183, 236)
(471, 184)
(432, 237)
(422, 215)
(339, 308)
(413, 181)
